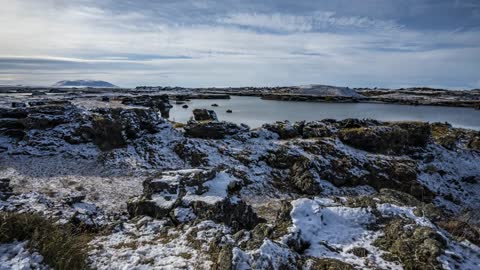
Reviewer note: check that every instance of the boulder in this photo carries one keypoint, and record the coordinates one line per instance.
(213, 130)
(204, 115)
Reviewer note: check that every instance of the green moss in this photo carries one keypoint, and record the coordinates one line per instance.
(414, 246)
(327, 264)
(62, 246)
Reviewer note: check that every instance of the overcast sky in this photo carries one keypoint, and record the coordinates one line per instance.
(356, 43)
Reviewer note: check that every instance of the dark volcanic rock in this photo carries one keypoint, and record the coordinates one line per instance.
(5, 189)
(11, 123)
(13, 113)
(414, 246)
(190, 154)
(285, 129)
(392, 138)
(303, 179)
(18, 105)
(316, 129)
(111, 128)
(155, 102)
(237, 214)
(161, 197)
(377, 139)
(213, 130)
(204, 115)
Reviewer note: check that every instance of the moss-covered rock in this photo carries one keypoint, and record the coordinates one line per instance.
(376, 139)
(302, 178)
(359, 252)
(391, 138)
(285, 129)
(326, 264)
(444, 135)
(461, 230)
(414, 246)
(190, 154)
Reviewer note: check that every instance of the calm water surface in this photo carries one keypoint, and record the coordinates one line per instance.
(254, 112)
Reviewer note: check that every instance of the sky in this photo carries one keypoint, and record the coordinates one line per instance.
(202, 43)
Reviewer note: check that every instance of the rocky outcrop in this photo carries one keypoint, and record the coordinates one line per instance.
(416, 247)
(392, 138)
(213, 130)
(112, 128)
(205, 194)
(204, 115)
(285, 129)
(156, 102)
(303, 179)
(377, 139)
(451, 138)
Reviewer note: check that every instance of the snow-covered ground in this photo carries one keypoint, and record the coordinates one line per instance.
(251, 200)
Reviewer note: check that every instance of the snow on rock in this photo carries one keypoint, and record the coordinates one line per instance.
(445, 173)
(392, 210)
(152, 244)
(332, 231)
(273, 255)
(16, 256)
(216, 190)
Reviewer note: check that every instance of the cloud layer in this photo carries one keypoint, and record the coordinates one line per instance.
(228, 43)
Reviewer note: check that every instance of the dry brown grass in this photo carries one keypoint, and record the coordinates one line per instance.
(62, 246)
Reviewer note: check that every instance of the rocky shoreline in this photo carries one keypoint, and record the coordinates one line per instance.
(151, 194)
(315, 93)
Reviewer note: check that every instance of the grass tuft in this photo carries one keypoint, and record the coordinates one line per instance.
(62, 246)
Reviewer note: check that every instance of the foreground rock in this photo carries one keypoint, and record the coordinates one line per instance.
(188, 195)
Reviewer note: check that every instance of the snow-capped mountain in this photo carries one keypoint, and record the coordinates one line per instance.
(83, 83)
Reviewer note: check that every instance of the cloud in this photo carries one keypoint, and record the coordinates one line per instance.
(203, 43)
(319, 21)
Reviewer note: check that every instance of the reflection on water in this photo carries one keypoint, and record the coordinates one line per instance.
(254, 112)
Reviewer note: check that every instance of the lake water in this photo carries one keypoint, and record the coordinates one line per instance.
(254, 111)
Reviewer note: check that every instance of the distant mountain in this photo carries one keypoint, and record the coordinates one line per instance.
(327, 90)
(83, 83)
